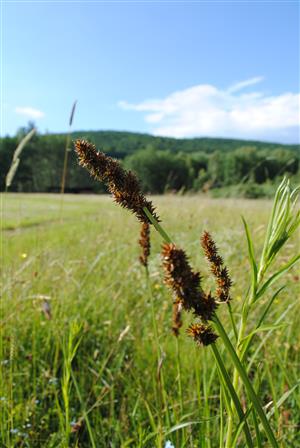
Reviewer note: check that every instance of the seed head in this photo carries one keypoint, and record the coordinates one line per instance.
(123, 185)
(145, 244)
(185, 283)
(217, 267)
(202, 334)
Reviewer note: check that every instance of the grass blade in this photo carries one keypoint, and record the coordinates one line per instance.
(233, 394)
(248, 386)
(277, 275)
(251, 255)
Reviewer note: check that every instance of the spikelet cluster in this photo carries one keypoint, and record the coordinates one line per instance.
(145, 243)
(202, 334)
(185, 283)
(217, 268)
(123, 185)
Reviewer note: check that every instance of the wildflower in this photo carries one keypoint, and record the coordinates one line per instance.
(145, 244)
(123, 185)
(202, 334)
(186, 283)
(24, 255)
(217, 267)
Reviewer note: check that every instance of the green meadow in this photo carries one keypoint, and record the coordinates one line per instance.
(88, 358)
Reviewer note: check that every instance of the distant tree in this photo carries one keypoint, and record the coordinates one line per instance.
(159, 170)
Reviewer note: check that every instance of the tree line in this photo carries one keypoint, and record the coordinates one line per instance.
(162, 164)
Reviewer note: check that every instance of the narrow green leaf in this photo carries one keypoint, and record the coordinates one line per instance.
(264, 314)
(251, 254)
(265, 328)
(268, 335)
(181, 426)
(233, 394)
(244, 377)
(281, 400)
(257, 430)
(240, 427)
(277, 198)
(276, 276)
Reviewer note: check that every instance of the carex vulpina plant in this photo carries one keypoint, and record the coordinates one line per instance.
(188, 294)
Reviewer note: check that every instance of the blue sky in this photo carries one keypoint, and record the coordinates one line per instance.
(183, 69)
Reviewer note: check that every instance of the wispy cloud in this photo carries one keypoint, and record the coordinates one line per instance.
(205, 110)
(29, 112)
(242, 84)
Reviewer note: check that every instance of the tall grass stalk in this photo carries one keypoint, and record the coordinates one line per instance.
(70, 347)
(67, 150)
(16, 158)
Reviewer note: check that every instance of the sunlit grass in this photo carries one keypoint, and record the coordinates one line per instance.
(86, 269)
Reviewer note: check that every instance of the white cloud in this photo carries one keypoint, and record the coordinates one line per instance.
(29, 112)
(205, 110)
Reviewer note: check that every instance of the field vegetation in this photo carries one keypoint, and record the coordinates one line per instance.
(88, 358)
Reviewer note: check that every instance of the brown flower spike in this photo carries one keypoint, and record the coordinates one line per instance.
(145, 244)
(123, 185)
(202, 334)
(217, 267)
(185, 283)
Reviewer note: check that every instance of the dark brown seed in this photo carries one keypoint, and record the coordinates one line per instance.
(202, 334)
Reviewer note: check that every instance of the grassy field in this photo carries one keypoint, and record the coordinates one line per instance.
(87, 353)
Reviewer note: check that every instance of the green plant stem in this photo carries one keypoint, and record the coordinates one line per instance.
(233, 324)
(226, 378)
(64, 174)
(162, 401)
(157, 226)
(244, 377)
(235, 380)
(85, 415)
(178, 360)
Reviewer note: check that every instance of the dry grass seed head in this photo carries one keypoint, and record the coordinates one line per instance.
(202, 334)
(123, 185)
(185, 283)
(217, 267)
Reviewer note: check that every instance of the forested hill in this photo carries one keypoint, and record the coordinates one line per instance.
(124, 143)
(253, 168)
